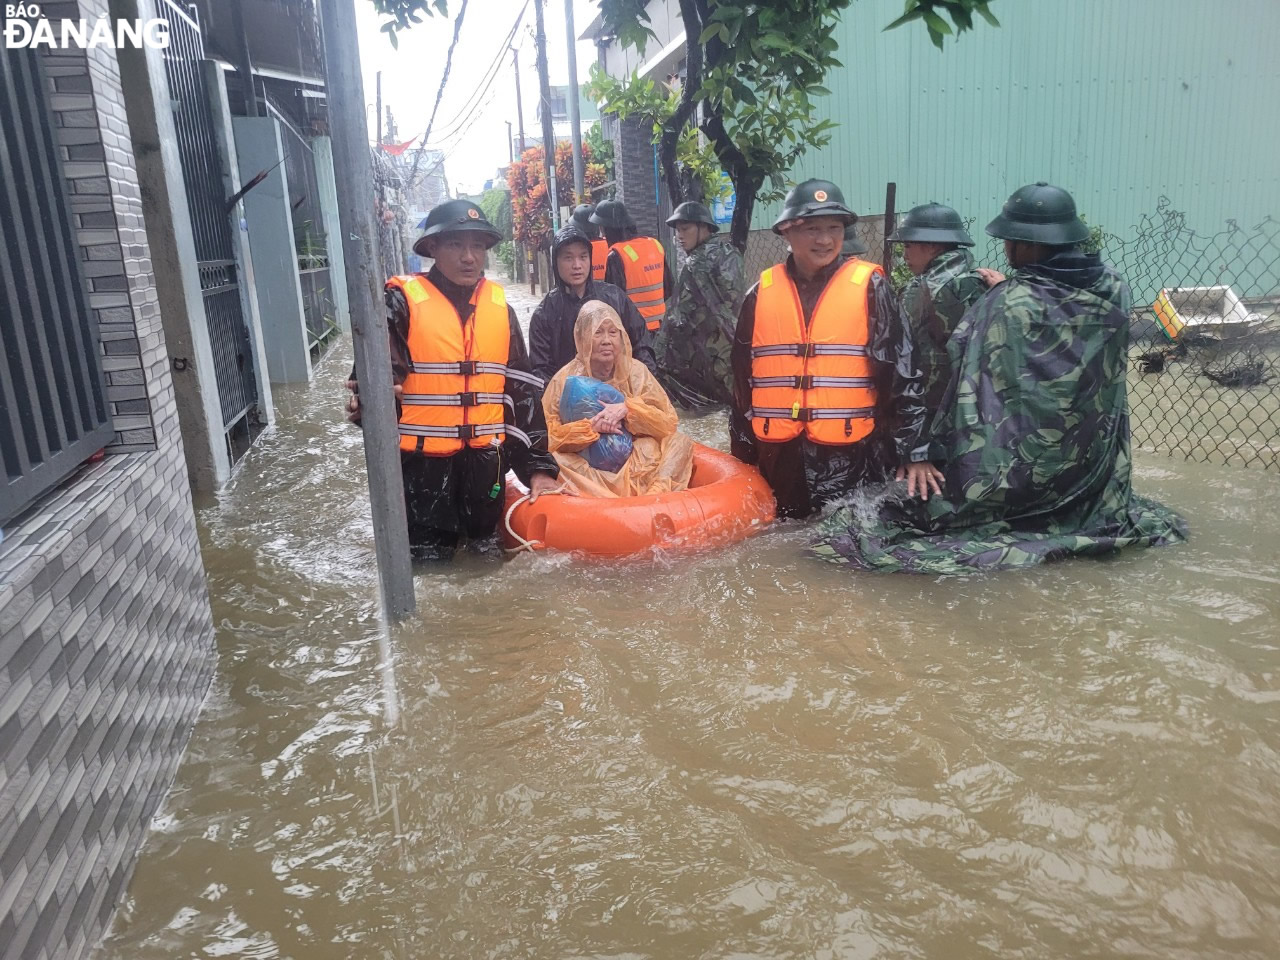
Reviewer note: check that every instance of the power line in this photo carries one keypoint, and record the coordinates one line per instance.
(445, 155)
(467, 116)
(482, 88)
(444, 79)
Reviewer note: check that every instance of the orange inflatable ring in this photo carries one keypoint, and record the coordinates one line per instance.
(727, 501)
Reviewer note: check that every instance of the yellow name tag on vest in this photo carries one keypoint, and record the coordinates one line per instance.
(862, 272)
(631, 252)
(766, 279)
(416, 291)
(499, 295)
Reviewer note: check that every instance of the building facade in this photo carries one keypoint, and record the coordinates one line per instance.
(106, 638)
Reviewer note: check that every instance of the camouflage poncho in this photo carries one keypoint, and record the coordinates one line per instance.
(1032, 435)
(933, 304)
(694, 342)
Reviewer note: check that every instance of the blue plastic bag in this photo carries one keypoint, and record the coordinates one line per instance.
(582, 399)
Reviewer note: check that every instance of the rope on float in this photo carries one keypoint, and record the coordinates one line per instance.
(524, 544)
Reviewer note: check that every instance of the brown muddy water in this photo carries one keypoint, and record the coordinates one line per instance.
(747, 754)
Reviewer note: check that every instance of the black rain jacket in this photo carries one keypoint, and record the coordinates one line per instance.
(551, 343)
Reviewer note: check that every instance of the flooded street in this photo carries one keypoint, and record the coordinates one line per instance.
(742, 754)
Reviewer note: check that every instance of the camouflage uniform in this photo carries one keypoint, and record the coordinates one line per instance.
(1032, 435)
(933, 304)
(695, 340)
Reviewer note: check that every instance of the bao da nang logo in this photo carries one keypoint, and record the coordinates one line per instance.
(26, 27)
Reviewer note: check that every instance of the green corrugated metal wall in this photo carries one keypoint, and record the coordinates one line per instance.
(1119, 101)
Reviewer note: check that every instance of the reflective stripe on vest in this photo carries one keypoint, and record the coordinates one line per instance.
(599, 257)
(643, 260)
(454, 393)
(816, 382)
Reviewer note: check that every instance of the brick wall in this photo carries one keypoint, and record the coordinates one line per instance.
(106, 640)
(97, 162)
(633, 170)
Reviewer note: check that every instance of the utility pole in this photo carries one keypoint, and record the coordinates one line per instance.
(511, 145)
(378, 108)
(575, 120)
(523, 257)
(354, 175)
(890, 222)
(245, 66)
(515, 63)
(548, 130)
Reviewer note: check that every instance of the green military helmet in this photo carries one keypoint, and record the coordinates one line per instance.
(582, 217)
(853, 245)
(1040, 213)
(932, 223)
(693, 212)
(814, 198)
(612, 214)
(456, 216)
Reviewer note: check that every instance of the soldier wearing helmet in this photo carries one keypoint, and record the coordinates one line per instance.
(636, 263)
(1033, 432)
(581, 218)
(936, 246)
(853, 245)
(694, 344)
(468, 403)
(826, 393)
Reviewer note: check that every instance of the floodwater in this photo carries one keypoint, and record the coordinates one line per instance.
(747, 754)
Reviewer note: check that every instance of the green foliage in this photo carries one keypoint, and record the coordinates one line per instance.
(309, 243)
(901, 274)
(405, 13)
(1096, 237)
(506, 255)
(656, 103)
(930, 12)
(600, 148)
(754, 71)
(496, 205)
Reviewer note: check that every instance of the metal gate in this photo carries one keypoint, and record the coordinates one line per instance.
(53, 406)
(211, 228)
(318, 307)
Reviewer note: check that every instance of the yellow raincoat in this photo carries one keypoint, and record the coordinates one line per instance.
(661, 457)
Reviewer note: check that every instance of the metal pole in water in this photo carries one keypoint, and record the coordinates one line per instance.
(548, 128)
(353, 172)
(575, 121)
(890, 222)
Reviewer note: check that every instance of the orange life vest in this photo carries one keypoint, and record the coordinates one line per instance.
(599, 257)
(454, 393)
(816, 381)
(643, 259)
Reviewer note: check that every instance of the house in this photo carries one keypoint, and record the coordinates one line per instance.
(140, 348)
(106, 639)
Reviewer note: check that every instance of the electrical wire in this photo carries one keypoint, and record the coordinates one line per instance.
(458, 140)
(470, 112)
(444, 79)
(490, 75)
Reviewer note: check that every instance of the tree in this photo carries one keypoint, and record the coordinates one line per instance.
(530, 208)
(496, 204)
(751, 73)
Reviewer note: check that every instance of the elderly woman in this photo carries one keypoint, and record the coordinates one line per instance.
(661, 458)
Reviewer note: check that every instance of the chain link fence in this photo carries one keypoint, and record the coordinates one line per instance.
(1211, 392)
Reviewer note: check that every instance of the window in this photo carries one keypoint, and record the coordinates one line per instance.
(53, 406)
